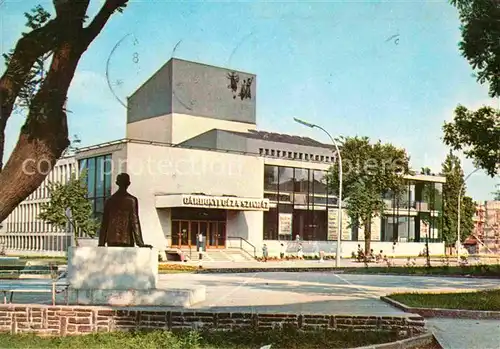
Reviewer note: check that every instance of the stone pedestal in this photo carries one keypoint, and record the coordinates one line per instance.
(123, 276)
(112, 268)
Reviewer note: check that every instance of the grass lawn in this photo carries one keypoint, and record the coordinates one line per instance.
(478, 300)
(472, 270)
(285, 339)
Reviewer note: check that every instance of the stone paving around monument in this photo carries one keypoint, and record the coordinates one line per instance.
(330, 293)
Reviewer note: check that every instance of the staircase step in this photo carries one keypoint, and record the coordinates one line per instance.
(219, 255)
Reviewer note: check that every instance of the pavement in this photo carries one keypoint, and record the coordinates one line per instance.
(465, 333)
(344, 263)
(331, 293)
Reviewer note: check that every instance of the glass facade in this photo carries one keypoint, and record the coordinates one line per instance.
(98, 181)
(300, 198)
(415, 214)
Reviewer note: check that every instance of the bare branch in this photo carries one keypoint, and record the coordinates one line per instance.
(28, 49)
(100, 20)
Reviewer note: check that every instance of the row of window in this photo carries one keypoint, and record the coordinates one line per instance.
(411, 228)
(313, 225)
(24, 218)
(419, 195)
(60, 174)
(298, 186)
(295, 155)
(98, 181)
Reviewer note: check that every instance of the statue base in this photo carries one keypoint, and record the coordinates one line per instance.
(112, 268)
(123, 276)
(175, 297)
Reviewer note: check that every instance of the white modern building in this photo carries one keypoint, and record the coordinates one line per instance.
(198, 164)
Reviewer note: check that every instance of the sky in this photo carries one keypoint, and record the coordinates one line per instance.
(389, 70)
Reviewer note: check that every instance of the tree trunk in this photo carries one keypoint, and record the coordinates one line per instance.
(368, 236)
(28, 166)
(44, 136)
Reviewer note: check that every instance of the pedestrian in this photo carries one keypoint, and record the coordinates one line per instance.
(300, 253)
(282, 251)
(393, 250)
(265, 252)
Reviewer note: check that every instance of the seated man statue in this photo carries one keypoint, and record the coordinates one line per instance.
(120, 225)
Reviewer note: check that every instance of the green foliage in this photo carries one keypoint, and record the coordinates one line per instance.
(35, 20)
(69, 204)
(497, 193)
(453, 172)
(478, 134)
(369, 170)
(281, 338)
(480, 44)
(486, 300)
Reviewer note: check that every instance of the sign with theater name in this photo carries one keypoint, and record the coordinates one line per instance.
(227, 203)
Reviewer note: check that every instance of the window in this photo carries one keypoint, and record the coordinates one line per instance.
(301, 192)
(98, 181)
(270, 178)
(286, 181)
(319, 182)
(301, 180)
(271, 224)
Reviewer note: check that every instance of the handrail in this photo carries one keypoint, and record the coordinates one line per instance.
(241, 244)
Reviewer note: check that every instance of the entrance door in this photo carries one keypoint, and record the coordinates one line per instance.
(180, 233)
(221, 228)
(193, 231)
(176, 241)
(185, 233)
(217, 235)
(213, 234)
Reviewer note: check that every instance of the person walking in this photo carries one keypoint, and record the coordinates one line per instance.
(265, 252)
(282, 251)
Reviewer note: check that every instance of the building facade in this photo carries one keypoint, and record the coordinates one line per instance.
(198, 164)
(486, 234)
(24, 233)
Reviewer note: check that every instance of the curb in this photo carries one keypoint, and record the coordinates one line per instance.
(208, 270)
(408, 343)
(266, 270)
(444, 313)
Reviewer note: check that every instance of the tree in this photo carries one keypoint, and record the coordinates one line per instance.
(69, 205)
(369, 170)
(426, 171)
(44, 135)
(497, 193)
(478, 134)
(454, 174)
(480, 45)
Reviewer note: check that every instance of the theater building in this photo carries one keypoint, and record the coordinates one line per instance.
(198, 164)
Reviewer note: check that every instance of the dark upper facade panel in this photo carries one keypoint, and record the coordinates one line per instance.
(184, 87)
(264, 143)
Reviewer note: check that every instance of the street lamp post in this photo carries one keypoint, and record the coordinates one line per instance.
(339, 199)
(458, 213)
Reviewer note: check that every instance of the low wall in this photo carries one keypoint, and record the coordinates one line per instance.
(74, 320)
(348, 247)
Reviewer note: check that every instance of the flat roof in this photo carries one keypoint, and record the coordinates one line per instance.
(281, 138)
(416, 176)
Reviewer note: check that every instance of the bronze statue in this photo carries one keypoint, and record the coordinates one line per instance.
(120, 225)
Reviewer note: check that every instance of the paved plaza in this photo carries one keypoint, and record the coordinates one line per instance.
(330, 293)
